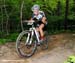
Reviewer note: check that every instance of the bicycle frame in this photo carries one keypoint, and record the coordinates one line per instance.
(33, 32)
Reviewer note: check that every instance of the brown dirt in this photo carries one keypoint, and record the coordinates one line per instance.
(60, 47)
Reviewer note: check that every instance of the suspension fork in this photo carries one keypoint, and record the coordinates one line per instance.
(30, 36)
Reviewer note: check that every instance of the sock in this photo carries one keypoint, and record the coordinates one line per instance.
(42, 37)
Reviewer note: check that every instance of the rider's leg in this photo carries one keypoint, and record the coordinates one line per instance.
(37, 29)
(41, 31)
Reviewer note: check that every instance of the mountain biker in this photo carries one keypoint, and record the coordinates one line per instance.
(40, 16)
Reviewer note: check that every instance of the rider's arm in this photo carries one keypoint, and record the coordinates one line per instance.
(44, 20)
(30, 19)
(44, 17)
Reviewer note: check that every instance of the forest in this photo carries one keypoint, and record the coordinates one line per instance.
(60, 16)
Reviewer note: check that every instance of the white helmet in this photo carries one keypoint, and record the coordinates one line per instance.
(35, 7)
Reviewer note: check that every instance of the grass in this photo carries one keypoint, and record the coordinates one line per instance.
(10, 38)
(3, 41)
(13, 36)
(61, 31)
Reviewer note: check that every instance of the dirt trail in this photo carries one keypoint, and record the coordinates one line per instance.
(60, 47)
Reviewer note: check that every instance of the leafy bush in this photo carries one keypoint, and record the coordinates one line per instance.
(3, 41)
(10, 38)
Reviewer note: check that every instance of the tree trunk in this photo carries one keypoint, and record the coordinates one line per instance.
(7, 18)
(2, 17)
(58, 8)
(33, 0)
(21, 15)
(74, 6)
(66, 14)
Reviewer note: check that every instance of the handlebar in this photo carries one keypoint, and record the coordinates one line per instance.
(29, 21)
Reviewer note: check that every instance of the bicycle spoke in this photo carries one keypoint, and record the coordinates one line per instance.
(25, 49)
(21, 47)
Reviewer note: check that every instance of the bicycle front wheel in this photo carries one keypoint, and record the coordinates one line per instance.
(23, 49)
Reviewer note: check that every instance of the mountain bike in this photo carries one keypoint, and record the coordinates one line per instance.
(27, 41)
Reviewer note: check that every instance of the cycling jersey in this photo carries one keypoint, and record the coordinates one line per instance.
(39, 16)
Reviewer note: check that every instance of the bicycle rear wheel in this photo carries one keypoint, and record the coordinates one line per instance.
(23, 49)
(44, 44)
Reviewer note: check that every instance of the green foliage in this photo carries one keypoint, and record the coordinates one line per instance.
(55, 22)
(3, 41)
(10, 38)
(71, 59)
(50, 6)
(71, 17)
